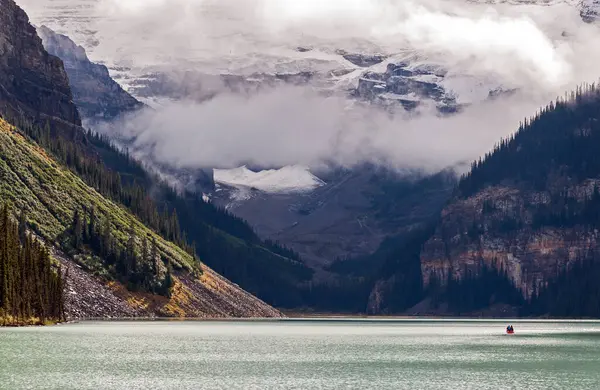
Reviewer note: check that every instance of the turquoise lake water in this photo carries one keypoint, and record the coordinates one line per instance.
(302, 354)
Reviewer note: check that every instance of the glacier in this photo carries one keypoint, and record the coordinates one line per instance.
(288, 179)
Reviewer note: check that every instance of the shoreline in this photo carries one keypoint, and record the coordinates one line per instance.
(10, 323)
(292, 316)
(340, 318)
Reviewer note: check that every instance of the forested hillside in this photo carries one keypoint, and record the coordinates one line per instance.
(519, 237)
(222, 241)
(105, 240)
(529, 213)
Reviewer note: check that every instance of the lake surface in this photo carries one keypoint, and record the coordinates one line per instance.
(302, 354)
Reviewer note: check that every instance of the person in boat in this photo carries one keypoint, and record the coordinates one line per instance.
(510, 328)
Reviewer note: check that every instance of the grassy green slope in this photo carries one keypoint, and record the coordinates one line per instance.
(32, 181)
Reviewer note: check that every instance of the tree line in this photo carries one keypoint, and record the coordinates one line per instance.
(477, 288)
(31, 285)
(562, 139)
(573, 293)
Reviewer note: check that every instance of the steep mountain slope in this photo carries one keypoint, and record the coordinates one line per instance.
(33, 183)
(95, 93)
(349, 216)
(101, 100)
(520, 235)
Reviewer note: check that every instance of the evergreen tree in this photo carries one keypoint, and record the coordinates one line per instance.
(154, 257)
(22, 226)
(77, 233)
(168, 282)
(30, 285)
(92, 228)
(132, 261)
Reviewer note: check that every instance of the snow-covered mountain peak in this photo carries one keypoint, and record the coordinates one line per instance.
(137, 55)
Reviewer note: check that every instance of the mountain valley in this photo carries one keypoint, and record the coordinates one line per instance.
(399, 224)
(85, 200)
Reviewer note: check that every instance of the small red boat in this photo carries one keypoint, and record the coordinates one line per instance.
(510, 331)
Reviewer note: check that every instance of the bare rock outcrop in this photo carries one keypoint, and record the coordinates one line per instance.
(495, 227)
(95, 93)
(32, 82)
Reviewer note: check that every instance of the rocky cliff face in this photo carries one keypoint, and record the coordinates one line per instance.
(100, 100)
(494, 227)
(95, 93)
(32, 81)
(530, 209)
(589, 10)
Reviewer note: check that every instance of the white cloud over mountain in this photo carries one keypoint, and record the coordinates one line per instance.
(541, 49)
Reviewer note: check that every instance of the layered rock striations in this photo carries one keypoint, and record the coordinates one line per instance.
(494, 226)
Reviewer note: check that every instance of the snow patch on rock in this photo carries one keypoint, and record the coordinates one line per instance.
(590, 10)
(288, 179)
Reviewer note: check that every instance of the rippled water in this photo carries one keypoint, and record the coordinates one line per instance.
(302, 354)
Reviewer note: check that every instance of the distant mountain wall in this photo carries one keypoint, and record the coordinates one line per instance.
(95, 93)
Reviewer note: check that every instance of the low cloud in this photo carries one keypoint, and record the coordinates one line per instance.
(518, 43)
(540, 50)
(296, 125)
